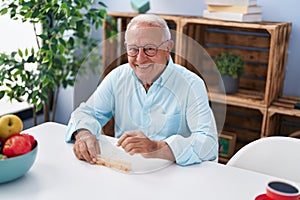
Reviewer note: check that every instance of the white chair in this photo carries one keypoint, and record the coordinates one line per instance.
(277, 156)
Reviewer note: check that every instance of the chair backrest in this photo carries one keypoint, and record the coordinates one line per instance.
(277, 156)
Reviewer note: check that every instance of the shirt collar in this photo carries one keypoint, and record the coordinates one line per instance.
(166, 73)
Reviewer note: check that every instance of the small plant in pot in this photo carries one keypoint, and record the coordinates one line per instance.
(230, 66)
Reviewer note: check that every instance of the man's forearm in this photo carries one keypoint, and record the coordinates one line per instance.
(163, 151)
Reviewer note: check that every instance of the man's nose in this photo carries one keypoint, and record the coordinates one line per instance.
(141, 56)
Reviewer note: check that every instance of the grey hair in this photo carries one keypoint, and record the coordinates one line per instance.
(152, 20)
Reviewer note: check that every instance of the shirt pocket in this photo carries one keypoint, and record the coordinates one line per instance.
(173, 124)
(165, 126)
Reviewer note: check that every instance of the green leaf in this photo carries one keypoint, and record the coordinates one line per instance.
(19, 99)
(46, 59)
(17, 72)
(102, 4)
(71, 41)
(65, 8)
(12, 14)
(3, 11)
(35, 93)
(102, 13)
(61, 48)
(20, 53)
(13, 54)
(35, 13)
(62, 41)
(43, 36)
(30, 59)
(39, 107)
(26, 52)
(2, 93)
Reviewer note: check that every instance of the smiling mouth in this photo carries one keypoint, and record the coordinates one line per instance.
(143, 67)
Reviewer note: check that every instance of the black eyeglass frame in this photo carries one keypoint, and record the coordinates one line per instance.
(137, 49)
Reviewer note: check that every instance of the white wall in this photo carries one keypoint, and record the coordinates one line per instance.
(10, 37)
(287, 11)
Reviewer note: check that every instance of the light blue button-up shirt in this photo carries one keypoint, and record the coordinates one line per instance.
(175, 109)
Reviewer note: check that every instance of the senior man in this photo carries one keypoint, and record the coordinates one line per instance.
(161, 109)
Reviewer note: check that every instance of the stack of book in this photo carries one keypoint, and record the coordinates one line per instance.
(233, 10)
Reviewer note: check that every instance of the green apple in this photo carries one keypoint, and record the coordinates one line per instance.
(3, 157)
(9, 125)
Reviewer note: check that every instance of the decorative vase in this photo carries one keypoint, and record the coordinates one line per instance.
(230, 84)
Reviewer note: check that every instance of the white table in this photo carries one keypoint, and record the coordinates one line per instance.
(57, 174)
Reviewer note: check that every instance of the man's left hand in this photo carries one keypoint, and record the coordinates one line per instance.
(136, 142)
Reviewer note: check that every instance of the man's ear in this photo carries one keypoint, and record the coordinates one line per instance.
(170, 45)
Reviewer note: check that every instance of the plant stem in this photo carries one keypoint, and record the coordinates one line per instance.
(54, 103)
(46, 112)
(36, 37)
(34, 115)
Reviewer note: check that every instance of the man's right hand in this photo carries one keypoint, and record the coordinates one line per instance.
(86, 146)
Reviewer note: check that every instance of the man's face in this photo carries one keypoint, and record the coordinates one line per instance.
(147, 68)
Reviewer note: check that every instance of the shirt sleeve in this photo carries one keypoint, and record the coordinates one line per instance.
(93, 116)
(202, 144)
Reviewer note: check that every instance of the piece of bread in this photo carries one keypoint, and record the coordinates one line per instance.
(114, 164)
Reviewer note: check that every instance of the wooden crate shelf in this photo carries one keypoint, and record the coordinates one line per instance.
(285, 105)
(262, 45)
(248, 124)
(283, 119)
(239, 99)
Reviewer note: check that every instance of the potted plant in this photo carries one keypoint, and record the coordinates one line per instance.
(64, 42)
(230, 66)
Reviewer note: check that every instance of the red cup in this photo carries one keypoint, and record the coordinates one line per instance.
(280, 191)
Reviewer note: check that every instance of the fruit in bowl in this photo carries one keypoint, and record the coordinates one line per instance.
(17, 150)
(10, 125)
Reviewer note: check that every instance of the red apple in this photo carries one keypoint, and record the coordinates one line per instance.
(30, 138)
(16, 145)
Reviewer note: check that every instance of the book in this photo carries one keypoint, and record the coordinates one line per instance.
(231, 2)
(235, 9)
(239, 17)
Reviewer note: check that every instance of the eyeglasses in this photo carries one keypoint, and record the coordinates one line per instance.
(149, 49)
